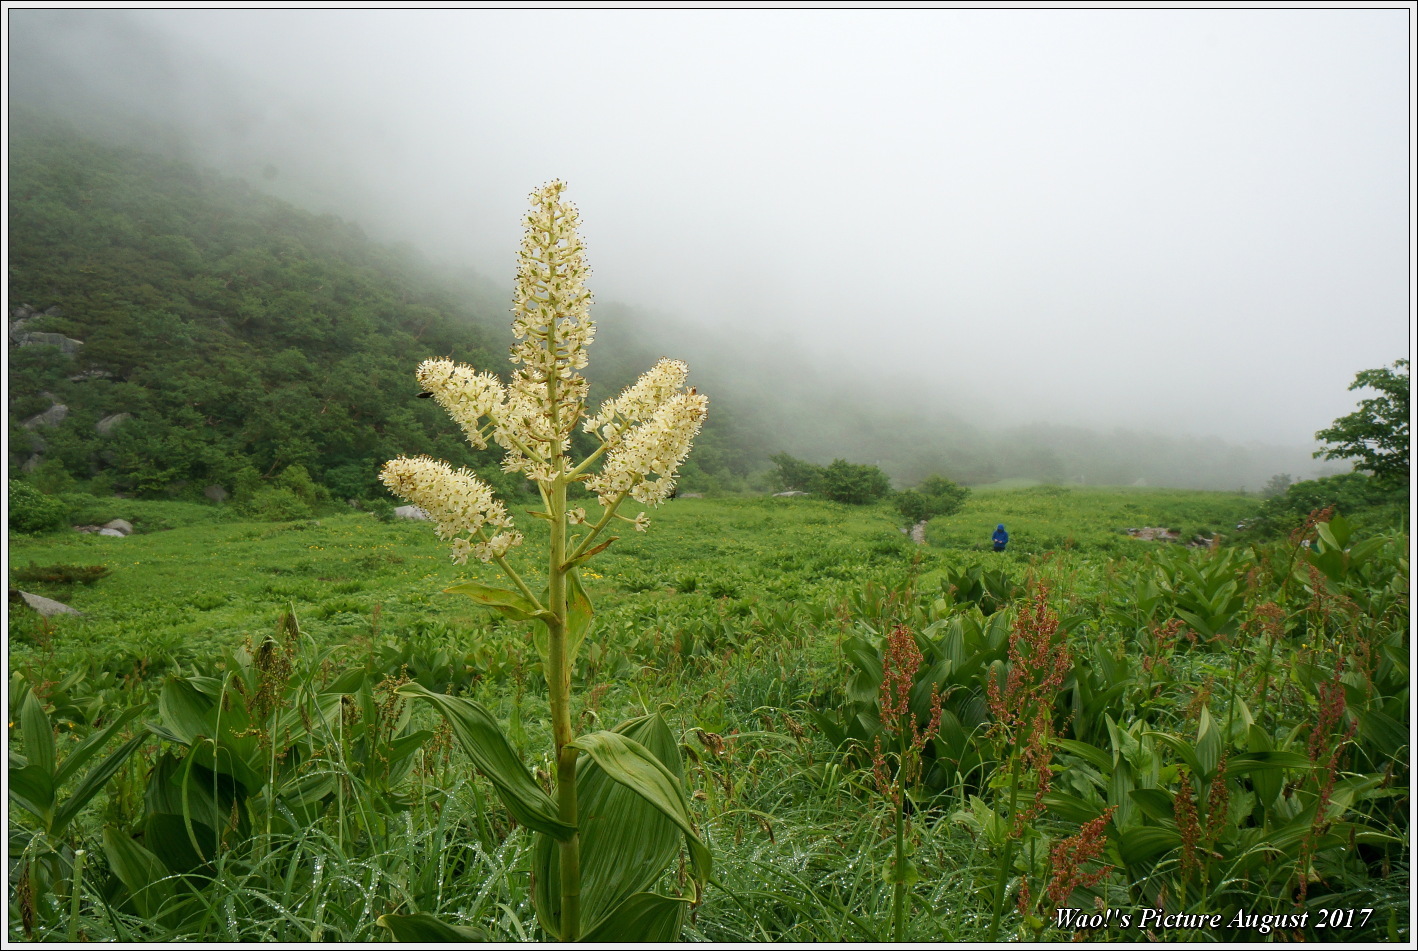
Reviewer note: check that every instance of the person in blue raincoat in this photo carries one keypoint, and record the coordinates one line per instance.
(1000, 538)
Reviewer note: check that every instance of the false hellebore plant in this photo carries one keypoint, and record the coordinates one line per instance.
(619, 812)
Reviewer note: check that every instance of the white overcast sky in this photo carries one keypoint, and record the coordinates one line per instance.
(1198, 221)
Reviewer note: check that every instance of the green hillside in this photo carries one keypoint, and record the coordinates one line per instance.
(173, 329)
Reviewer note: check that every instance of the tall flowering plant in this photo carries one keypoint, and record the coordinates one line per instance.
(617, 813)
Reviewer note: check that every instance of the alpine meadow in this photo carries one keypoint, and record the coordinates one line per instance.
(338, 612)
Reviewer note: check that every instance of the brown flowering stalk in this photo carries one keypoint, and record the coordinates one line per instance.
(1023, 710)
(900, 665)
(1267, 622)
(1322, 748)
(1068, 859)
(1184, 810)
(1163, 639)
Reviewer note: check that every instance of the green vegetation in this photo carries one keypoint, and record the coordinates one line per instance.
(842, 481)
(1204, 749)
(1376, 434)
(935, 497)
(874, 739)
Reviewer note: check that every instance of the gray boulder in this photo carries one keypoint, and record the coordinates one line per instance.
(121, 525)
(50, 417)
(105, 426)
(111, 532)
(35, 338)
(45, 606)
(411, 512)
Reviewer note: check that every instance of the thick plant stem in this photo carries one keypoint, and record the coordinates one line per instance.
(559, 690)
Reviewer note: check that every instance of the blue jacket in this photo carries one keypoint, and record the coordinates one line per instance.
(1000, 538)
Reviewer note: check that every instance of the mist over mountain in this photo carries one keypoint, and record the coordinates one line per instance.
(932, 375)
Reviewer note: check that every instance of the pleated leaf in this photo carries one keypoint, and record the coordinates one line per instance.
(144, 876)
(93, 781)
(38, 734)
(626, 843)
(643, 917)
(632, 765)
(490, 751)
(510, 604)
(426, 929)
(32, 789)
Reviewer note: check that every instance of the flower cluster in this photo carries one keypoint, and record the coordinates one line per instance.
(551, 312)
(656, 447)
(1068, 858)
(645, 432)
(467, 395)
(1023, 707)
(460, 504)
(899, 666)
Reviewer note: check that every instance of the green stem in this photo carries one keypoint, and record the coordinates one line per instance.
(604, 520)
(898, 893)
(559, 676)
(559, 690)
(74, 899)
(1008, 858)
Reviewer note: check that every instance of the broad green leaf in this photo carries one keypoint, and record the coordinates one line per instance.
(1138, 845)
(1070, 807)
(168, 837)
(426, 929)
(38, 734)
(643, 917)
(632, 765)
(625, 842)
(32, 789)
(1088, 752)
(905, 874)
(1208, 744)
(1182, 748)
(1266, 759)
(1197, 623)
(185, 711)
(511, 604)
(490, 751)
(94, 781)
(140, 871)
(1154, 803)
(1121, 785)
(91, 745)
(348, 682)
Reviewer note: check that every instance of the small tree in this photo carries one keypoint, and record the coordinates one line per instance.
(854, 484)
(795, 474)
(936, 497)
(1376, 435)
(1276, 486)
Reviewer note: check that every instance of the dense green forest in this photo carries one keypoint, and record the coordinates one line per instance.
(173, 329)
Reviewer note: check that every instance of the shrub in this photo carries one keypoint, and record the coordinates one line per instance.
(58, 574)
(936, 497)
(278, 505)
(795, 475)
(32, 512)
(1350, 493)
(854, 484)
